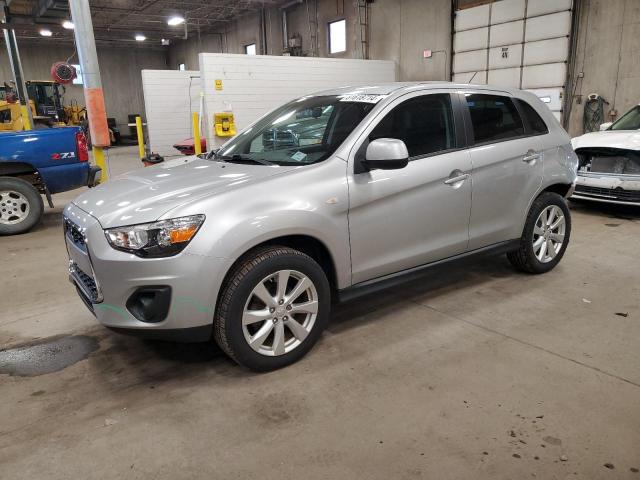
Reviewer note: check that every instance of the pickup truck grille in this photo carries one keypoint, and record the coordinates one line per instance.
(75, 234)
(609, 193)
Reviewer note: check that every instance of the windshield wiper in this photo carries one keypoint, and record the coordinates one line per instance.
(236, 158)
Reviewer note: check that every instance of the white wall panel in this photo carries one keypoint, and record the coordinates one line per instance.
(506, 77)
(479, 78)
(472, 39)
(253, 85)
(551, 97)
(507, 33)
(548, 26)
(542, 76)
(542, 7)
(546, 51)
(507, 11)
(472, 18)
(470, 61)
(505, 57)
(170, 96)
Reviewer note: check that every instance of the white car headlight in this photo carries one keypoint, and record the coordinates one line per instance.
(163, 238)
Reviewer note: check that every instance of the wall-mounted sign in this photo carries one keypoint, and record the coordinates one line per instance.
(218, 84)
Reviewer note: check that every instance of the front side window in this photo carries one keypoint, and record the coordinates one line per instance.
(629, 121)
(424, 124)
(305, 131)
(338, 36)
(494, 118)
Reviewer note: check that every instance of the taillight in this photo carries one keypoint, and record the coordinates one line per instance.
(81, 145)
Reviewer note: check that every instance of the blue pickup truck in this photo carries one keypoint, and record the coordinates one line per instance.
(39, 162)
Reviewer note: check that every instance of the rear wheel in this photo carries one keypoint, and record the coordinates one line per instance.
(545, 236)
(273, 308)
(21, 206)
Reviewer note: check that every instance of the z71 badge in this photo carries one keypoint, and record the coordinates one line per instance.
(63, 156)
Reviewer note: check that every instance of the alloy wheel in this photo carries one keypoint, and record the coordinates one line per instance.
(280, 312)
(548, 233)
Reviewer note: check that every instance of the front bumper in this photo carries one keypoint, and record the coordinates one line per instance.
(106, 280)
(622, 190)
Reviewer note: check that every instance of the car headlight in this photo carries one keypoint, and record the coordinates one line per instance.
(163, 238)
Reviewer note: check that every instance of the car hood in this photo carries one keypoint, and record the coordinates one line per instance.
(144, 195)
(624, 139)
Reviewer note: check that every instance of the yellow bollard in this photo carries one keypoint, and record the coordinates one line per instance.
(98, 158)
(140, 138)
(196, 133)
(24, 112)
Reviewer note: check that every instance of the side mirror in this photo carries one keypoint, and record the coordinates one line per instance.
(604, 126)
(386, 154)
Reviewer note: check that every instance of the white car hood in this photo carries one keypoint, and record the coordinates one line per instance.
(144, 195)
(624, 139)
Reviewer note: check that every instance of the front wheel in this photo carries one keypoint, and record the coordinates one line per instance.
(272, 309)
(545, 236)
(21, 206)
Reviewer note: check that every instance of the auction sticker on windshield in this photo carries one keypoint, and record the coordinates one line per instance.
(362, 98)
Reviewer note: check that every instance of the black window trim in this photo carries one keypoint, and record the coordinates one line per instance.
(469, 124)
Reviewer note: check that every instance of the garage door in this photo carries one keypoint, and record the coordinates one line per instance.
(515, 43)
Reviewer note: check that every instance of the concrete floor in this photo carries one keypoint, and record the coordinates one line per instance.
(476, 372)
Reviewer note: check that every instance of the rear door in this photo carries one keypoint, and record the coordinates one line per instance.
(403, 218)
(507, 167)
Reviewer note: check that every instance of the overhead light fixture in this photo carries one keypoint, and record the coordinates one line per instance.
(45, 32)
(165, 41)
(140, 38)
(176, 20)
(68, 24)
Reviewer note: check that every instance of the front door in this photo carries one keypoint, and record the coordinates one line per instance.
(404, 218)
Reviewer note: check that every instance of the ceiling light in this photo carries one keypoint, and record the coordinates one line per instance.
(177, 20)
(140, 38)
(45, 32)
(165, 41)
(68, 24)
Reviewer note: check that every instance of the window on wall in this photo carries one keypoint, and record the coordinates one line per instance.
(250, 49)
(182, 67)
(338, 36)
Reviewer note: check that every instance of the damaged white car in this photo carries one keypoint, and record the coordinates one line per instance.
(609, 169)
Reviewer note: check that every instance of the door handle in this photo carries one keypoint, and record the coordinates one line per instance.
(531, 156)
(457, 179)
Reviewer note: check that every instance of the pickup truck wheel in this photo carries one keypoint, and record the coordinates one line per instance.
(20, 206)
(272, 309)
(546, 235)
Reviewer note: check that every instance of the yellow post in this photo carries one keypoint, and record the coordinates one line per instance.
(98, 158)
(24, 112)
(196, 133)
(140, 138)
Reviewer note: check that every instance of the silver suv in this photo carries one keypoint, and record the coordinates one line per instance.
(324, 198)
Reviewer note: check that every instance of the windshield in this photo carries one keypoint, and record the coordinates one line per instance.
(629, 121)
(305, 131)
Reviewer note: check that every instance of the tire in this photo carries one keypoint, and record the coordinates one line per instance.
(21, 206)
(239, 300)
(532, 256)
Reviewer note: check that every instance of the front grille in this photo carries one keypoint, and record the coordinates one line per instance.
(74, 233)
(609, 193)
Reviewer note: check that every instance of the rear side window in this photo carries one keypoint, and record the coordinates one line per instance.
(494, 118)
(424, 124)
(536, 124)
